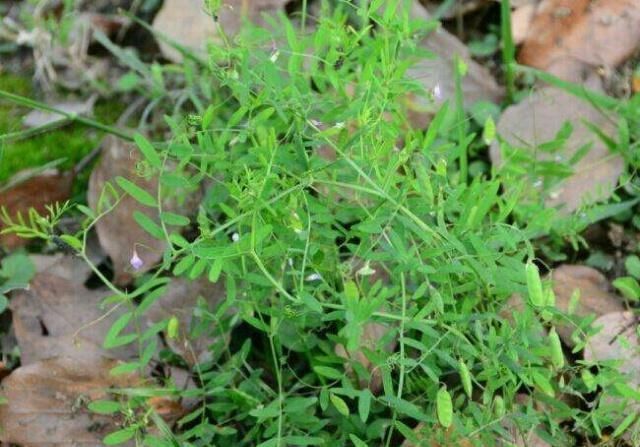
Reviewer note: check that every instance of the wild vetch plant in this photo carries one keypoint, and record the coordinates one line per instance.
(365, 272)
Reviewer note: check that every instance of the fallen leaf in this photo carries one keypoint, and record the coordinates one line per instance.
(4, 371)
(569, 38)
(617, 340)
(37, 118)
(182, 380)
(521, 19)
(537, 119)
(65, 266)
(528, 439)
(189, 24)
(168, 408)
(49, 316)
(118, 231)
(518, 438)
(593, 288)
(35, 192)
(635, 81)
(180, 300)
(372, 333)
(478, 84)
(47, 403)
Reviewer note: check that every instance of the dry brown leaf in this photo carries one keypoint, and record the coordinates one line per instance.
(168, 408)
(635, 82)
(372, 333)
(519, 439)
(569, 38)
(477, 85)
(35, 192)
(48, 316)
(593, 288)
(65, 266)
(521, 19)
(537, 119)
(47, 403)
(181, 379)
(617, 340)
(180, 301)
(188, 23)
(118, 232)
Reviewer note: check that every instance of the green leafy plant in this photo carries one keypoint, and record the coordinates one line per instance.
(325, 212)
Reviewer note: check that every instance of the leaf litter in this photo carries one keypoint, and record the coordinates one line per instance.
(34, 190)
(573, 38)
(180, 300)
(132, 249)
(58, 317)
(478, 85)
(538, 119)
(46, 402)
(588, 288)
(187, 23)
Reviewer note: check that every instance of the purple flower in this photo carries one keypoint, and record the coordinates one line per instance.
(135, 261)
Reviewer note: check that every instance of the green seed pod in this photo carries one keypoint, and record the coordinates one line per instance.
(172, 327)
(444, 407)
(534, 285)
(465, 377)
(557, 356)
(498, 406)
(489, 132)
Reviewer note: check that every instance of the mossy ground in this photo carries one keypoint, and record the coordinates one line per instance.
(70, 143)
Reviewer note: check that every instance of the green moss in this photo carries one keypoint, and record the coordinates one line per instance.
(71, 142)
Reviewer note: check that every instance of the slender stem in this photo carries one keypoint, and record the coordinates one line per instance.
(72, 117)
(508, 48)
(28, 133)
(303, 21)
(460, 121)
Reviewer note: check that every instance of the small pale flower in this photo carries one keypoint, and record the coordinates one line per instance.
(437, 93)
(313, 277)
(235, 237)
(135, 261)
(366, 270)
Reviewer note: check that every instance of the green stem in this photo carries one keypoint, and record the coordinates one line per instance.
(72, 117)
(508, 48)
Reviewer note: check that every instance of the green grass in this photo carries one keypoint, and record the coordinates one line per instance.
(71, 142)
